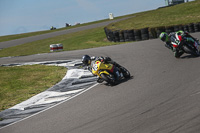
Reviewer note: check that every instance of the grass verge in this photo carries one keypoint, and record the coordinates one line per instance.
(18, 36)
(79, 40)
(179, 14)
(19, 83)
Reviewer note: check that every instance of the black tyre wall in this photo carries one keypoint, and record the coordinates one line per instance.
(185, 28)
(178, 28)
(110, 33)
(145, 34)
(196, 27)
(148, 33)
(137, 34)
(116, 36)
(152, 33)
(169, 29)
(131, 35)
(121, 36)
(191, 27)
(126, 38)
(160, 30)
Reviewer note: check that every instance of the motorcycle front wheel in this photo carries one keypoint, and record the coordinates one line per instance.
(108, 78)
(190, 51)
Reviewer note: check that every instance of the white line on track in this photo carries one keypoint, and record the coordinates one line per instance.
(51, 106)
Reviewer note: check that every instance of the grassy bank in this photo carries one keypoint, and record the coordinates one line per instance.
(179, 14)
(23, 35)
(20, 83)
(79, 40)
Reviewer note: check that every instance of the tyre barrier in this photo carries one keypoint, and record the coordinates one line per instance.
(169, 29)
(147, 33)
(144, 34)
(121, 36)
(129, 35)
(116, 36)
(191, 27)
(138, 35)
(160, 30)
(196, 27)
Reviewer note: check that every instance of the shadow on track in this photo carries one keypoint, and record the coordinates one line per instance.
(189, 57)
(121, 81)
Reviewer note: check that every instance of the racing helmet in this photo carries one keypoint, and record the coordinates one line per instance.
(86, 60)
(164, 37)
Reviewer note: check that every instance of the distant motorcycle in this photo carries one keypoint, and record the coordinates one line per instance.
(105, 72)
(188, 48)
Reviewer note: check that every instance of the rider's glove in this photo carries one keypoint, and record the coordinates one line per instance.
(93, 58)
(101, 59)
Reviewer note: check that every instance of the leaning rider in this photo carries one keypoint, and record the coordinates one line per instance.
(90, 61)
(185, 36)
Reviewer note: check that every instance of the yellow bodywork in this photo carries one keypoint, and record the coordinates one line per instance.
(98, 65)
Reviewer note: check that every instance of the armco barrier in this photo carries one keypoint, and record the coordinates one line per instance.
(147, 33)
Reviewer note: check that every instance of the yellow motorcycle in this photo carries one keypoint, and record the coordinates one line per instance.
(111, 72)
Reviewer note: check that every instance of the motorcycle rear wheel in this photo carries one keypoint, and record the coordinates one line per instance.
(125, 72)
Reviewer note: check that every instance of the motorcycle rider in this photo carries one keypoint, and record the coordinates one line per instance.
(90, 61)
(185, 37)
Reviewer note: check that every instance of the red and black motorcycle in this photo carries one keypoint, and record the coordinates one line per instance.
(186, 47)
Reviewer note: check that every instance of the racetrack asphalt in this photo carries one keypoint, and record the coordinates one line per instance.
(162, 97)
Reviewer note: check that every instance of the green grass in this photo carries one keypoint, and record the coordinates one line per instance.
(179, 14)
(79, 40)
(22, 82)
(18, 36)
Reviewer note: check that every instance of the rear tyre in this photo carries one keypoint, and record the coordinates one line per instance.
(125, 72)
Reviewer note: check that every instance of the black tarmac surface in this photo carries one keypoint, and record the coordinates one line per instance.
(162, 97)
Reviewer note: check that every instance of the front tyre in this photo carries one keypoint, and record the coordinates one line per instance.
(194, 52)
(108, 78)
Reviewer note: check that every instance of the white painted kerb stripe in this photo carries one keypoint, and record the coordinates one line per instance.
(51, 106)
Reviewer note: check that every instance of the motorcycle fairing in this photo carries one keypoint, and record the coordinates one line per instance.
(98, 65)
